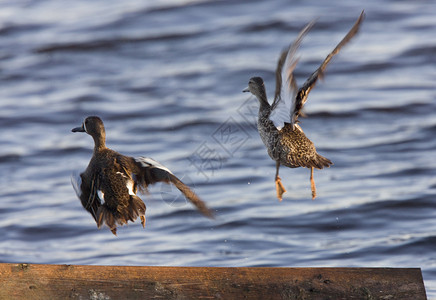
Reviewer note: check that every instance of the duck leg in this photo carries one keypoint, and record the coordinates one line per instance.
(279, 186)
(312, 184)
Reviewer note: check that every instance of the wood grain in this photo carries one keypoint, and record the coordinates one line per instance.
(33, 281)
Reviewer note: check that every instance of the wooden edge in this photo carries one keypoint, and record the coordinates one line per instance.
(35, 281)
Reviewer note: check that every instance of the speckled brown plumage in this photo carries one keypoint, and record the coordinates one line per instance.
(108, 172)
(289, 146)
(107, 188)
(298, 151)
(279, 130)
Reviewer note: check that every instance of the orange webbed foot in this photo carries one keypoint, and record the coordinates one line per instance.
(279, 188)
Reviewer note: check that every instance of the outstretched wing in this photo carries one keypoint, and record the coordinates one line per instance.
(286, 86)
(150, 171)
(88, 193)
(303, 92)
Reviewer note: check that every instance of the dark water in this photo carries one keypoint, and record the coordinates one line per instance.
(166, 77)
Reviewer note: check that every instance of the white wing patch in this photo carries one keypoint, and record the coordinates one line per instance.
(129, 183)
(100, 194)
(149, 162)
(284, 110)
(76, 181)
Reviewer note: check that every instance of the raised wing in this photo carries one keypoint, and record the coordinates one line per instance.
(303, 92)
(150, 171)
(286, 86)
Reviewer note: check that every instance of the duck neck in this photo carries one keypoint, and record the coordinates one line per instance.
(261, 96)
(99, 142)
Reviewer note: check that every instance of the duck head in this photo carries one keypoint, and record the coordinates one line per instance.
(93, 126)
(256, 86)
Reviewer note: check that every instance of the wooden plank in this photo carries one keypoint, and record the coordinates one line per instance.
(33, 281)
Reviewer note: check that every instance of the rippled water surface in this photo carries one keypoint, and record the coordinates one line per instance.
(166, 77)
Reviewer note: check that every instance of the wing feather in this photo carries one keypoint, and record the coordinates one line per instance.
(150, 171)
(303, 92)
(87, 192)
(286, 85)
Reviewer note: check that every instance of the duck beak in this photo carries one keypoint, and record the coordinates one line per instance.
(78, 129)
(247, 89)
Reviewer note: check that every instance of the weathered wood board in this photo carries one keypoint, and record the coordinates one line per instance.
(34, 281)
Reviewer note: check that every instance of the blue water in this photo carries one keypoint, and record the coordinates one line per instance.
(166, 77)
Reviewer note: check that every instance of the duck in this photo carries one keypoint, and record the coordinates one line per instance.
(109, 185)
(278, 123)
